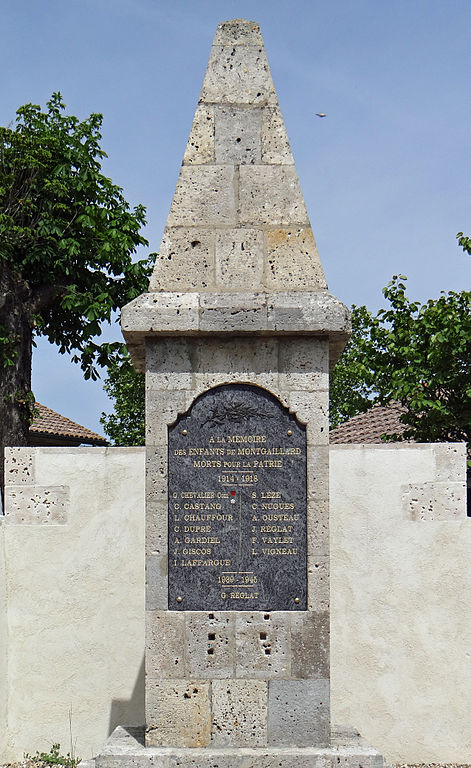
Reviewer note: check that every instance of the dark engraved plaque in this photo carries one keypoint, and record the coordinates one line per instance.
(237, 504)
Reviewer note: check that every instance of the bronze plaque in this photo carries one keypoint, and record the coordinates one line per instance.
(237, 504)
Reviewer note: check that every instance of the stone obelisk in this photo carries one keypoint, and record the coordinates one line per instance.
(236, 335)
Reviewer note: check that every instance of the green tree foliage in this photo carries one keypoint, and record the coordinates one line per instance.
(126, 425)
(416, 354)
(465, 242)
(67, 239)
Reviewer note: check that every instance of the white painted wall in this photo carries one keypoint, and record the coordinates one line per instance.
(72, 598)
(401, 599)
(75, 595)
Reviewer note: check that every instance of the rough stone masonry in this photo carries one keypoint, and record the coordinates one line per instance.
(237, 297)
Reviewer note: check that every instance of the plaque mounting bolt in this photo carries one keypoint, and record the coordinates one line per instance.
(184, 431)
(296, 600)
(289, 432)
(180, 599)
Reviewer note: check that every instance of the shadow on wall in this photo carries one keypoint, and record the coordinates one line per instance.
(129, 711)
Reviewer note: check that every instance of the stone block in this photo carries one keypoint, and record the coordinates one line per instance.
(238, 32)
(240, 359)
(168, 364)
(238, 75)
(312, 409)
(178, 713)
(271, 195)
(239, 259)
(19, 466)
(162, 312)
(210, 644)
(237, 136)
(185, 261)
(318, 584)
(310, 634)
(200, 146)
(346, 749)
(317, 459)
(292, 260)
(318, 527)
(239, 713)
(156, 582)
(156, 475)
(162, 409)
(156, 527)
(316, 311)
(304, 363)
(233, 313)
(450, 462)
(298, 712)
(204, 195)
(263, 645)
(36, 504)
(165, 644)
(275, 143)
(434, 501)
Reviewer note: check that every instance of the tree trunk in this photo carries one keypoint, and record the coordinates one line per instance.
(15, 380)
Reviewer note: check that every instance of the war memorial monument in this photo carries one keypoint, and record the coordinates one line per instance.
(236, 335)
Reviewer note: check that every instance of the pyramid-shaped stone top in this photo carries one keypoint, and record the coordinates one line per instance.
(238, 255)
(238, 221)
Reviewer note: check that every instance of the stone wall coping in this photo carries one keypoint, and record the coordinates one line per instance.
(165, 313)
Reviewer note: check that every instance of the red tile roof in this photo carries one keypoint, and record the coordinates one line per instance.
(369, 426)
(50, 423)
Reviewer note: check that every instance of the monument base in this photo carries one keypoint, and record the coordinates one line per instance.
(125, 749)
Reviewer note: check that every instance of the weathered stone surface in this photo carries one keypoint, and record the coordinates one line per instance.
(238, 32)
(19, 466)
(434, 501)
(318, 528)
(263, 645)
(156, 475)
(160, 313)
(239, 713)
(271, 195)
(318, 472)
(156, 527)
(235, 359)
(178, 713)
(200, 147)
(239, 258)
(276, 149)
(165, 644)
(238, 75)
(204, 194)
(36, 505)
(185, 261)
(312, 408)
(298, 712)
(156, 582)
(125, 748)
(210, 644)
(304, 364)
(308, 310)
(237, 136)
(168, 364)
(162, 408)
(292, 260)
(310, 645)
(234, 312)
(294, 312)
(318, 584)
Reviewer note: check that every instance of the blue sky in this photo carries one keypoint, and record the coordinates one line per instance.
(386, 176)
